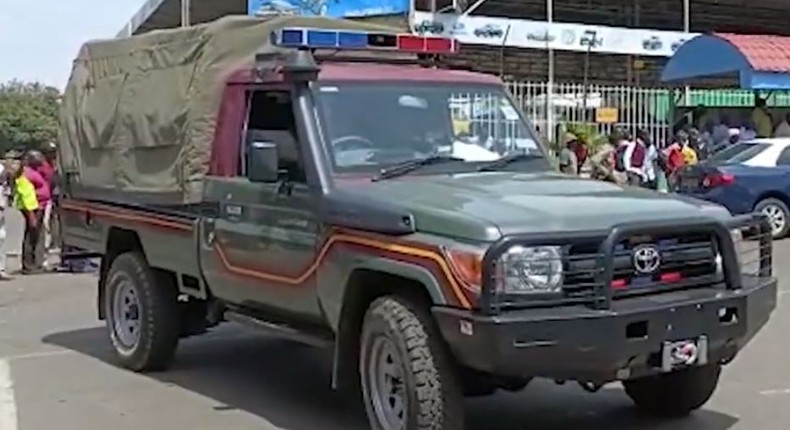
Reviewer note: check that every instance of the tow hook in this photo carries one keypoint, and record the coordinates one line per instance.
(590, 387)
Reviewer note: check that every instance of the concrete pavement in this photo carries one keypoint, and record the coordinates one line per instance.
(56, 371)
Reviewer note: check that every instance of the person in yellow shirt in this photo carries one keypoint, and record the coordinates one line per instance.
(689, 154)
(763, 123)
(24, 199)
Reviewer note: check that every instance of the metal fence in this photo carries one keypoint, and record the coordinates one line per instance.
(647, 108)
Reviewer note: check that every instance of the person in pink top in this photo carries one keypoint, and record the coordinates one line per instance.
(32, 162)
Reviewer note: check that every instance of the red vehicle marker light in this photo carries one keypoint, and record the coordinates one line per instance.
(619, 284)
(670, 277)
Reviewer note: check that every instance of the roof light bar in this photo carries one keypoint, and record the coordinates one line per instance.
(313, 38)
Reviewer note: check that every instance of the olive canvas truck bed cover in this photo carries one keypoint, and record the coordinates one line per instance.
(139, 114)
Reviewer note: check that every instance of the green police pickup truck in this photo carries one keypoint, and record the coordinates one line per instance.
(314, 179)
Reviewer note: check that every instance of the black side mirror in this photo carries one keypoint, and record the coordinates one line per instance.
(262, 162)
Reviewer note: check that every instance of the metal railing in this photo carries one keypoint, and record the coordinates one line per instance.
(647, 108)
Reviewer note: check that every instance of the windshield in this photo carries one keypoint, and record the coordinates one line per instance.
(373, 126)
(739, 152)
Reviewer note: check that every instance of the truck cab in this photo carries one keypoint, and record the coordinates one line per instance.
(348, 206)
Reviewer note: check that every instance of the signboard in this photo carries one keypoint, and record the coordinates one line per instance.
(523, 33)
(331, 8)
(606, 115)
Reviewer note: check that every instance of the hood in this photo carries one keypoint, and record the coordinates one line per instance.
(484, 206)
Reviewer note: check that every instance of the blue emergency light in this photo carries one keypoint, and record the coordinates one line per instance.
(314, 38)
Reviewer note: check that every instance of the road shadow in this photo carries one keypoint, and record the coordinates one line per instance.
(288, 385)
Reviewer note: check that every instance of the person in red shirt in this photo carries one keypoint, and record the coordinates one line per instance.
(674, 157)
(46, 168)
(579, 147)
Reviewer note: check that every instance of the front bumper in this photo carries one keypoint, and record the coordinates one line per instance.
(622, 342)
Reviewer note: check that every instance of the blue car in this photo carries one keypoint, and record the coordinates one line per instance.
(746, 177)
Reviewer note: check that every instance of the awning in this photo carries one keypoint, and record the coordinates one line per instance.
(760, 62)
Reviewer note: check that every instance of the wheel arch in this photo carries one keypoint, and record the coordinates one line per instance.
(364, 285)
(120, 240)
(772, 194)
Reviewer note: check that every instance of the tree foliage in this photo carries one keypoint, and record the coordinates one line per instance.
(28, 115)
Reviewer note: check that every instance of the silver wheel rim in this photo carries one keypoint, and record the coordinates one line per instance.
(387, 390)
(776, 216)
(126, 315)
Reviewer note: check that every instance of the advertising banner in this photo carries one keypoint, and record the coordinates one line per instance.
(330, 8)
(522, 33)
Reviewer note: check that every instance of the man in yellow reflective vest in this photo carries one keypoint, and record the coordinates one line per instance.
(25, 201)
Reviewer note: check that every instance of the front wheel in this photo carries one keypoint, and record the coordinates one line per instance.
(674, 394)
(408, 379)
(142, 314)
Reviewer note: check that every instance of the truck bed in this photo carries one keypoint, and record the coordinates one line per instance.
(168, 234)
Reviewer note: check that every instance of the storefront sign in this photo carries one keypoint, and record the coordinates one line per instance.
(331, 8)
(522, 33)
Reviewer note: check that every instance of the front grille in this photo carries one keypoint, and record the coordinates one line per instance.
(599, 267)
(686, 261)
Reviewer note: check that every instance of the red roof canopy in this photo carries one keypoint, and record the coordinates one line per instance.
(765, 53)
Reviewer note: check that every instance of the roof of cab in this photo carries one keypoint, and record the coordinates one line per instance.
(391, 72)
(380, 72)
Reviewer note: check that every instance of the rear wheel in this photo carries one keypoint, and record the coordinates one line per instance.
(142, 314)
(408, 378)
(674, 394)
(778, 215)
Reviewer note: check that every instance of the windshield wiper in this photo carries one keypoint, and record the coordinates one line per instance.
(508, 159)
(411, 165)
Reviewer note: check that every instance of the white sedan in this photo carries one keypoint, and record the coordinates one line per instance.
(763, 152)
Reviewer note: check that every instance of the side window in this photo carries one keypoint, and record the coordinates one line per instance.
(271, 119)
(784, 158)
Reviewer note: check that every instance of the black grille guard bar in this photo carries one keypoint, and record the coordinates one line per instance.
(610, 238)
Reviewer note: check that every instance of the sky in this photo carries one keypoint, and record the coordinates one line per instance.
(40, 38)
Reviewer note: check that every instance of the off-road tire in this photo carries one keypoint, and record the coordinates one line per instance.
(762, 204)
(433, 393)
(674, 394)
(159, 327)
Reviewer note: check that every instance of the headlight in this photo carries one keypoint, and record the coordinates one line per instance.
(529, 270)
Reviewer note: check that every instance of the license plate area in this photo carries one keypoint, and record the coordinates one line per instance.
(680, 354)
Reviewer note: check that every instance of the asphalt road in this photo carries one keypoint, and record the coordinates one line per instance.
(56, 372)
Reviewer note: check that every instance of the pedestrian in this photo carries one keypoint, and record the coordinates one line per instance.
(673, 155)
(634, 159)
(48, 170)
(783, 128)
(5, 189)
(651, 160)
(579, 148)
(568, 161)
(26, 202)
(761, 118)
(603, 162)
(690, 157)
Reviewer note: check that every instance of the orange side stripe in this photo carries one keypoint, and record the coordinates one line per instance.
(335, 238)
(345, 238)
(133, 218)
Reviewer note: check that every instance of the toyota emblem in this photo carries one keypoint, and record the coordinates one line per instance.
(647, 259)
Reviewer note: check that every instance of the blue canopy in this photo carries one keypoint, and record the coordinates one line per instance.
(715, 55)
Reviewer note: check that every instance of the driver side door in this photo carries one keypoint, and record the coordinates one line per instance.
(266, 234)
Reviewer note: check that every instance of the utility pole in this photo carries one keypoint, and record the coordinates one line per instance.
(186, 8)
(550, 129)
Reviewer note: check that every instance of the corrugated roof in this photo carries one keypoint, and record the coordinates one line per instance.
(764, 53)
